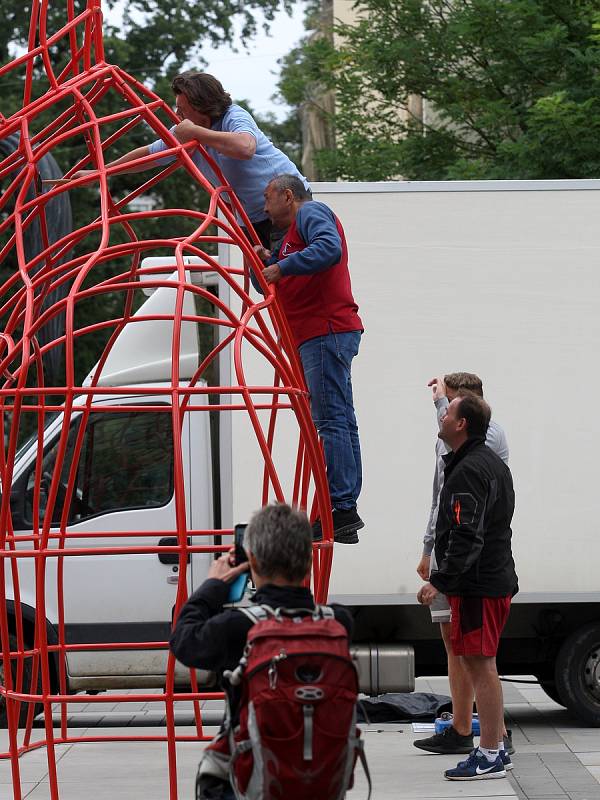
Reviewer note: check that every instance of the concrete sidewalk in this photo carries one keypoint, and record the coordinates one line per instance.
(556, 758)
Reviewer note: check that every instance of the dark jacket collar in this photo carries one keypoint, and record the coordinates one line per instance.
(284, 596)
(452, 458)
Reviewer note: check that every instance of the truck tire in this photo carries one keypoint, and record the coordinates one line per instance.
(577, 674)
(550, 688)
(26, 687)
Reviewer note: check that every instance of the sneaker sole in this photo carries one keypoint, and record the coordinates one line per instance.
(341, 538)
(355, 526)
(483, 777)
(348, 537)
(346, 529)
(508, 767)
(439, 752)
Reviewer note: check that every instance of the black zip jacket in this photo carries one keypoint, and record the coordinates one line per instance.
(473, 534)
(207, 636)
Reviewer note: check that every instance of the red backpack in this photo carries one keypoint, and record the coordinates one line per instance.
(297, 736)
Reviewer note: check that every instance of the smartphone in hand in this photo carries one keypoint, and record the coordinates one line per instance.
(238, 587)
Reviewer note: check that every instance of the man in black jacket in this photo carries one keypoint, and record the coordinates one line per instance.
(208, 636)
(475, 568)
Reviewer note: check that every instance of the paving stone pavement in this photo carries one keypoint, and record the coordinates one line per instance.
(556, 759)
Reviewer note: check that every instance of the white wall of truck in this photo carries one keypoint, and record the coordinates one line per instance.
(497, 278)
(502, 279)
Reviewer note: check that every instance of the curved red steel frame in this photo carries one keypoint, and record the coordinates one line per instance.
(33, 561)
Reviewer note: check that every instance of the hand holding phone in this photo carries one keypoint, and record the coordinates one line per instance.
(236, 574)
(238, 586)
(238, 541)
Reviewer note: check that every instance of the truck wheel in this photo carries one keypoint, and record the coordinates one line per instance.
(26, 686)
(550, 688)
(577, 675)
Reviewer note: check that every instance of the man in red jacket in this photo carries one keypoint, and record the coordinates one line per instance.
(310, 268)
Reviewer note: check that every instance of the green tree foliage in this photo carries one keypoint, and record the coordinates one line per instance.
(511, 90)
(305, 80)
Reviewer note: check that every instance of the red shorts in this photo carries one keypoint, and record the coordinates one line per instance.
(476, 624)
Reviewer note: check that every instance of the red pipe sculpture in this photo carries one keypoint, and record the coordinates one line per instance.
(35, 558)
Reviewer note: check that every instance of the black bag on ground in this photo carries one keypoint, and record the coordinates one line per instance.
(404, 707)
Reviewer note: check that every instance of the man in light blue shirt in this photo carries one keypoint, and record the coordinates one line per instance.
(247, 158)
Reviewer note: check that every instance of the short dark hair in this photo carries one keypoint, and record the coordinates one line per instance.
(464, 380)
(476, 412)
(293, 183)
(205, 93)
(280, 538)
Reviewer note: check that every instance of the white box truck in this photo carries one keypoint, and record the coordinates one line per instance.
(497, 278)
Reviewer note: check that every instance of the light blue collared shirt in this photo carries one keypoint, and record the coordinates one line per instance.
(247, 177)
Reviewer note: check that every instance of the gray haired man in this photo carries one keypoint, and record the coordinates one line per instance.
(209, 636)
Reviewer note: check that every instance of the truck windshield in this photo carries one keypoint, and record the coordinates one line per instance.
(125, 461)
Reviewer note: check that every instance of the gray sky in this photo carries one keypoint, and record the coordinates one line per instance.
(252, 74)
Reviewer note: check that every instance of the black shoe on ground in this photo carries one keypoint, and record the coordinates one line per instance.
(447, 742)
(508, 745)
(346, 523)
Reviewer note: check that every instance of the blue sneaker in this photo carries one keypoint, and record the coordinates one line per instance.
(506, 760)
(476, 768)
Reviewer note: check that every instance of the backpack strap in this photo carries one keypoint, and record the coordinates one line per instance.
(318, 612)
(257, 613)
(325, 612)
(254, 614)
(365, 765)
(260, 613)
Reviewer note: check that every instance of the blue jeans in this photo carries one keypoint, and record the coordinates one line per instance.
(326, 361)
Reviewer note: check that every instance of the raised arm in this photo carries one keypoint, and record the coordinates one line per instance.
(316, 225)
(438, 479)
(202, 636)
(236, 144)
(139, 152)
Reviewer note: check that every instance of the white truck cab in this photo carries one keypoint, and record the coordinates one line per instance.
(124, 483)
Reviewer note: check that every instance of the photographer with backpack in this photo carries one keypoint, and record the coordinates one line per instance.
(284, 665)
